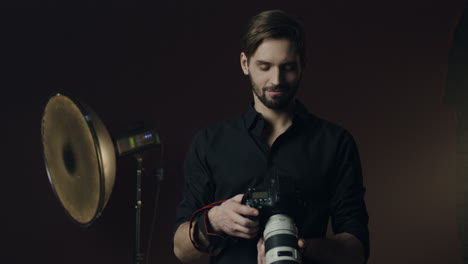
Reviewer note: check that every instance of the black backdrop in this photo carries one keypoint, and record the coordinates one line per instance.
(377, 68)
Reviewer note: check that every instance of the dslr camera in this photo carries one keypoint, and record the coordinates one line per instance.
(281, 206)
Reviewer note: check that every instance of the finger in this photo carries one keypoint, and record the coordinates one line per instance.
(248, 232)
(245, 210)
(237, 233)
(241, 229)
(260, 251)
(259, 246)
(241, 235)
(243, 221)
(259, 254)
(238, 198)
(232, 227)
(301, 243)
(259, 243)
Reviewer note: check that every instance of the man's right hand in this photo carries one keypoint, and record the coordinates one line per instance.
(230, 218)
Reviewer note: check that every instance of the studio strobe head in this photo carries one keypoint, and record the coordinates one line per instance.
(281, 240)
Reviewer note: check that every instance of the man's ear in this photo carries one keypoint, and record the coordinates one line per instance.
(244, 63)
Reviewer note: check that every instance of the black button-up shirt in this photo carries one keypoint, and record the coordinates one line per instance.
(227, 158)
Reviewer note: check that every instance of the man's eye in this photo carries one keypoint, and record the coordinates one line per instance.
(264, 68)
(289, 67)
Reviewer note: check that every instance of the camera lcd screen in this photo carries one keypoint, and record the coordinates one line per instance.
(260, 195)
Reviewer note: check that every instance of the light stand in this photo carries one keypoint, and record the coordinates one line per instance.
(139, 256)
(133, 143)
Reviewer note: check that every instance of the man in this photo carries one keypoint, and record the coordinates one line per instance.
(276, 136)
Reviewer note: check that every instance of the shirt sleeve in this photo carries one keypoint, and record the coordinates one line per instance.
(348, 208)
(198, 186)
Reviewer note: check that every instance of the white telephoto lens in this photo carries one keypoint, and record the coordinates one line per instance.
(281, 240)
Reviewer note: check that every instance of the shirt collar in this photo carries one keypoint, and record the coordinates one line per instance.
(251, 117)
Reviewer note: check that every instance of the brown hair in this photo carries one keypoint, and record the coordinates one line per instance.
(274, 24)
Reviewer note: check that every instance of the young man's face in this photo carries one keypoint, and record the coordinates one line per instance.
(274, 70)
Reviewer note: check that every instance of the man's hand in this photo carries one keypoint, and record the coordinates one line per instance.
(261, 249)
(230, 218)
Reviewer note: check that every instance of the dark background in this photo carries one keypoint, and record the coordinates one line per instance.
(378, 68)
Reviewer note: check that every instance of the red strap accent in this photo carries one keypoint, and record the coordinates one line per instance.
(209, 206)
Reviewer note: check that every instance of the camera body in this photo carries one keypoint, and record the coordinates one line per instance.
(264, 200)
(280, 206)
(280, 197)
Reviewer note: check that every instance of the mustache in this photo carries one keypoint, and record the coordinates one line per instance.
(275, 88)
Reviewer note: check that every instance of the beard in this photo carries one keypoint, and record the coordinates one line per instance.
(277, 101)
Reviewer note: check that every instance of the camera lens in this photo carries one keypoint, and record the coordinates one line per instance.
(281, 240)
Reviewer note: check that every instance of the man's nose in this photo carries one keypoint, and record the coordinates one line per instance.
(276, 76)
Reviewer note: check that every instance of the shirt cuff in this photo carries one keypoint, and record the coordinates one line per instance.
(216, 242)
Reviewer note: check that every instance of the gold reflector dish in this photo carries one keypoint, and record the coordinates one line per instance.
(79, 156)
